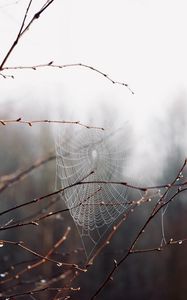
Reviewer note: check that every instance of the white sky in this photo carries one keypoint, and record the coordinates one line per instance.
(140, 42)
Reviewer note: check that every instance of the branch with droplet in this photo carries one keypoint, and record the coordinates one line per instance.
(162, 202)
(43, 259)
(82, 182)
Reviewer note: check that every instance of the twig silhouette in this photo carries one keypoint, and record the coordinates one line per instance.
(115, 227)
(82, 182)
(43, 259)
(8, 180)
(31, 122)
(21, 245)
(24, 28)
(37, 291)
(158, 206)
(51, 64)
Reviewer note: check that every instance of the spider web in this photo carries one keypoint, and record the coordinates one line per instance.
(92, 155)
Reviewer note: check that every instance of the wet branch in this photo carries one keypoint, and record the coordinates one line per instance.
(158, 206)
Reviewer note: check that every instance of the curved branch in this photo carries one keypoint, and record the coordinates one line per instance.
(45, 121)
(52, 65)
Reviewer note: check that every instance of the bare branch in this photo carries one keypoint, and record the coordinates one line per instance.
(8, 180)
(57, 66)
(158, 206)
(31, 122)
(23, 29)
(82, 182)
(37, 291)
(21, 245)
(42, 260)
(17, 38)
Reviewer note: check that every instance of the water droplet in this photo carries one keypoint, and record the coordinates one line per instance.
(94, 154)
(58, 217)
(3, 275)
(1, 244)
(34, 223)
(29, 267)
(180, 242)
(43, 281)
(59, 264)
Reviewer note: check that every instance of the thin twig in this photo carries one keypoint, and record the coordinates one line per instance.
(36, 291)
(42, 197)
(17, 38)
(52, 65)
(45, 258)
(42, 260)
(170, 242)
(82, 182)
(31, 122)
(106, 242)
(24, 28)
(8, 180)
(158, 206)
(48, 214)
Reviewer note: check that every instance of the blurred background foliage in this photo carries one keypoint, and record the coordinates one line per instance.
(154, 275)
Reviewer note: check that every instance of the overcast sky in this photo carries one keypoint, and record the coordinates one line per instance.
(140, 42)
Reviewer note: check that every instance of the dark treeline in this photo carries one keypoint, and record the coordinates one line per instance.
(153, 275)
